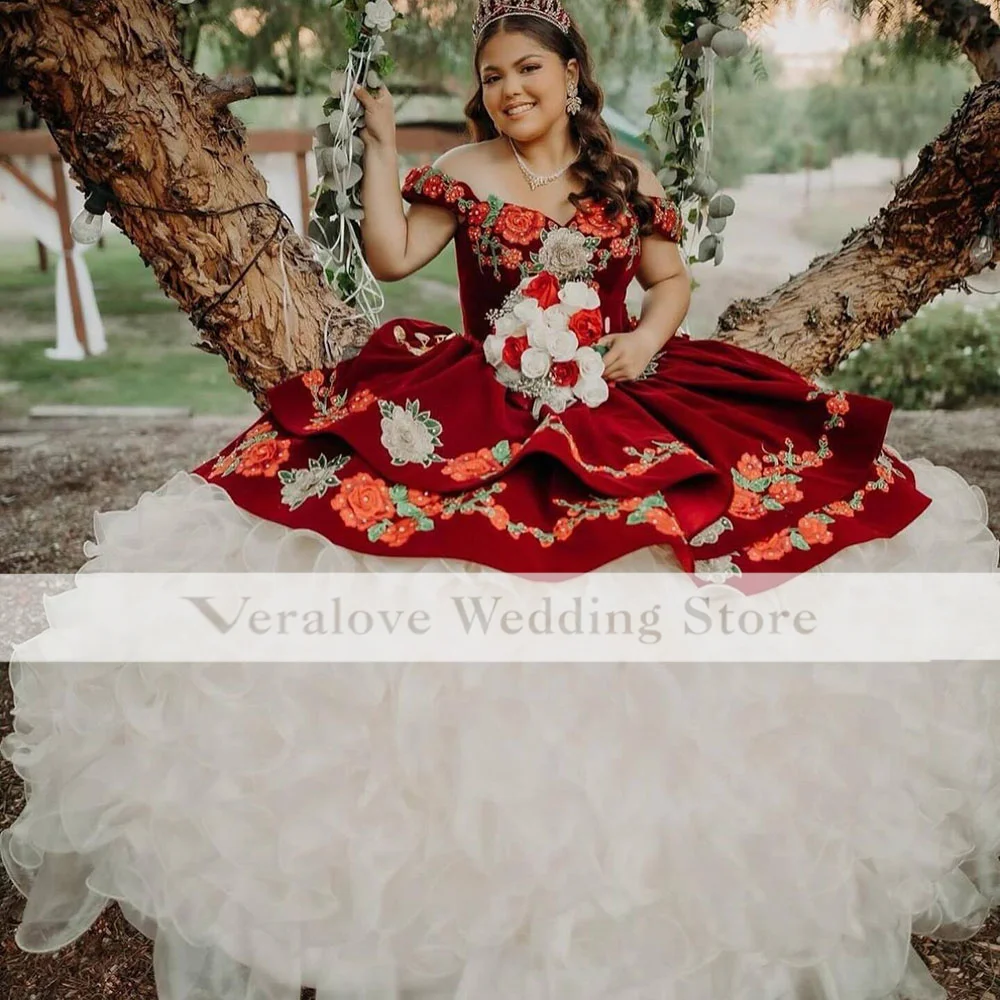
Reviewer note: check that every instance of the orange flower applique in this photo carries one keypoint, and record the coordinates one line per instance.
(362, 500)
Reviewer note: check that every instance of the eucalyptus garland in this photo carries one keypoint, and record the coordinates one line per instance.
(680, 129)
(335, 220)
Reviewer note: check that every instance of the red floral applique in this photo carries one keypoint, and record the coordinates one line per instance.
(511, 258)
(519, 225)
(593, 220)
(260, 453)
(667, 220)
(362, 500)
(264, 458)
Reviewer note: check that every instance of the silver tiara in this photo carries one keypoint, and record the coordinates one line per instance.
(492, 10)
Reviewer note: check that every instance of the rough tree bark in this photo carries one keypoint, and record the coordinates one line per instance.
(126, 111)
(124, 108)
(970, 25)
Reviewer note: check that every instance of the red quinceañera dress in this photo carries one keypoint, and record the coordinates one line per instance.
(618, 831)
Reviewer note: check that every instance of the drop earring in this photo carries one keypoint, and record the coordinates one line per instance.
(573, 103)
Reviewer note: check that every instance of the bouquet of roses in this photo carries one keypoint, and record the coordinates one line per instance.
(543, 343)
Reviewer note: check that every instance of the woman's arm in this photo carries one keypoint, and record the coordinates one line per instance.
(664, 276)
(396, 243)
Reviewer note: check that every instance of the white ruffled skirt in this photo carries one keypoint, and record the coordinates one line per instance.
(507, 832)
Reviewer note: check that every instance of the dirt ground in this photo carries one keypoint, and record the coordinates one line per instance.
(53, 477)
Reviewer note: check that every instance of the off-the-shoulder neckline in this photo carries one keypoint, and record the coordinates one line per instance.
(449, 178)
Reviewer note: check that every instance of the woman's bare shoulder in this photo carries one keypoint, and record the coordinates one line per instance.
(649, 185)
(470, 162)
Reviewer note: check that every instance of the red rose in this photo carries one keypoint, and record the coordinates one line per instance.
(565, 373)
(513, 348)
(588, 326)
(544, 289)
(520, 225)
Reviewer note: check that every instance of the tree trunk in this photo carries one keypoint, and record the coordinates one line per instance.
(916, 247)
(125, 110)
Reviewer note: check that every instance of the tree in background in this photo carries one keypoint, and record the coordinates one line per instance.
(900, 98)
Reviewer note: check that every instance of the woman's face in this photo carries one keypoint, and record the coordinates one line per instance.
(524, 85)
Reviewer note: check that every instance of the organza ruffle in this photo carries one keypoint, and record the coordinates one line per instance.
(491, 832)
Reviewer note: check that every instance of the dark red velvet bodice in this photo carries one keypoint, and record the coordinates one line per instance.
(498, 243)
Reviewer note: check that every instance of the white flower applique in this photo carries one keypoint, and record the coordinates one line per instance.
(716, 570)
(566, 253)
(409, 434)
(300, 485)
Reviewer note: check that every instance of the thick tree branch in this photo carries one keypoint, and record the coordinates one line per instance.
(126, 111)
(916, 247)
(229, 89)
(972, 27)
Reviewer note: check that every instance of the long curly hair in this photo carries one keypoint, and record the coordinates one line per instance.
(607, 175)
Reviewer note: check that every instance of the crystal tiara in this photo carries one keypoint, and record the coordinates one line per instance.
(492, 10)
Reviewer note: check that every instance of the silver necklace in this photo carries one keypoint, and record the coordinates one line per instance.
(538, 180)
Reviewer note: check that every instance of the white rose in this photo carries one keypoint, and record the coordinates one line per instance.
(534, 363)
(590, 363)
(538, 333)
(406, 438)
(557, 317)
(560, 344)
(379, 15)
(577, 295)
(592, 391)
(528, 311)
(508, 325)
(493, 348)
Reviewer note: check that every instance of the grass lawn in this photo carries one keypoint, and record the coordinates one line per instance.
(150, 360)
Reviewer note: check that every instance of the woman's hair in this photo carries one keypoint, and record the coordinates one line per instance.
(606, 174)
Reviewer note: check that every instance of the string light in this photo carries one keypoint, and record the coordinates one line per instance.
(983, 248)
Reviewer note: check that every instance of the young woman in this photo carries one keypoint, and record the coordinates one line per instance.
(612, 832)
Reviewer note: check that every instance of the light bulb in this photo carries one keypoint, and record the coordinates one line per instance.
(982, 250)
(87, 226)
